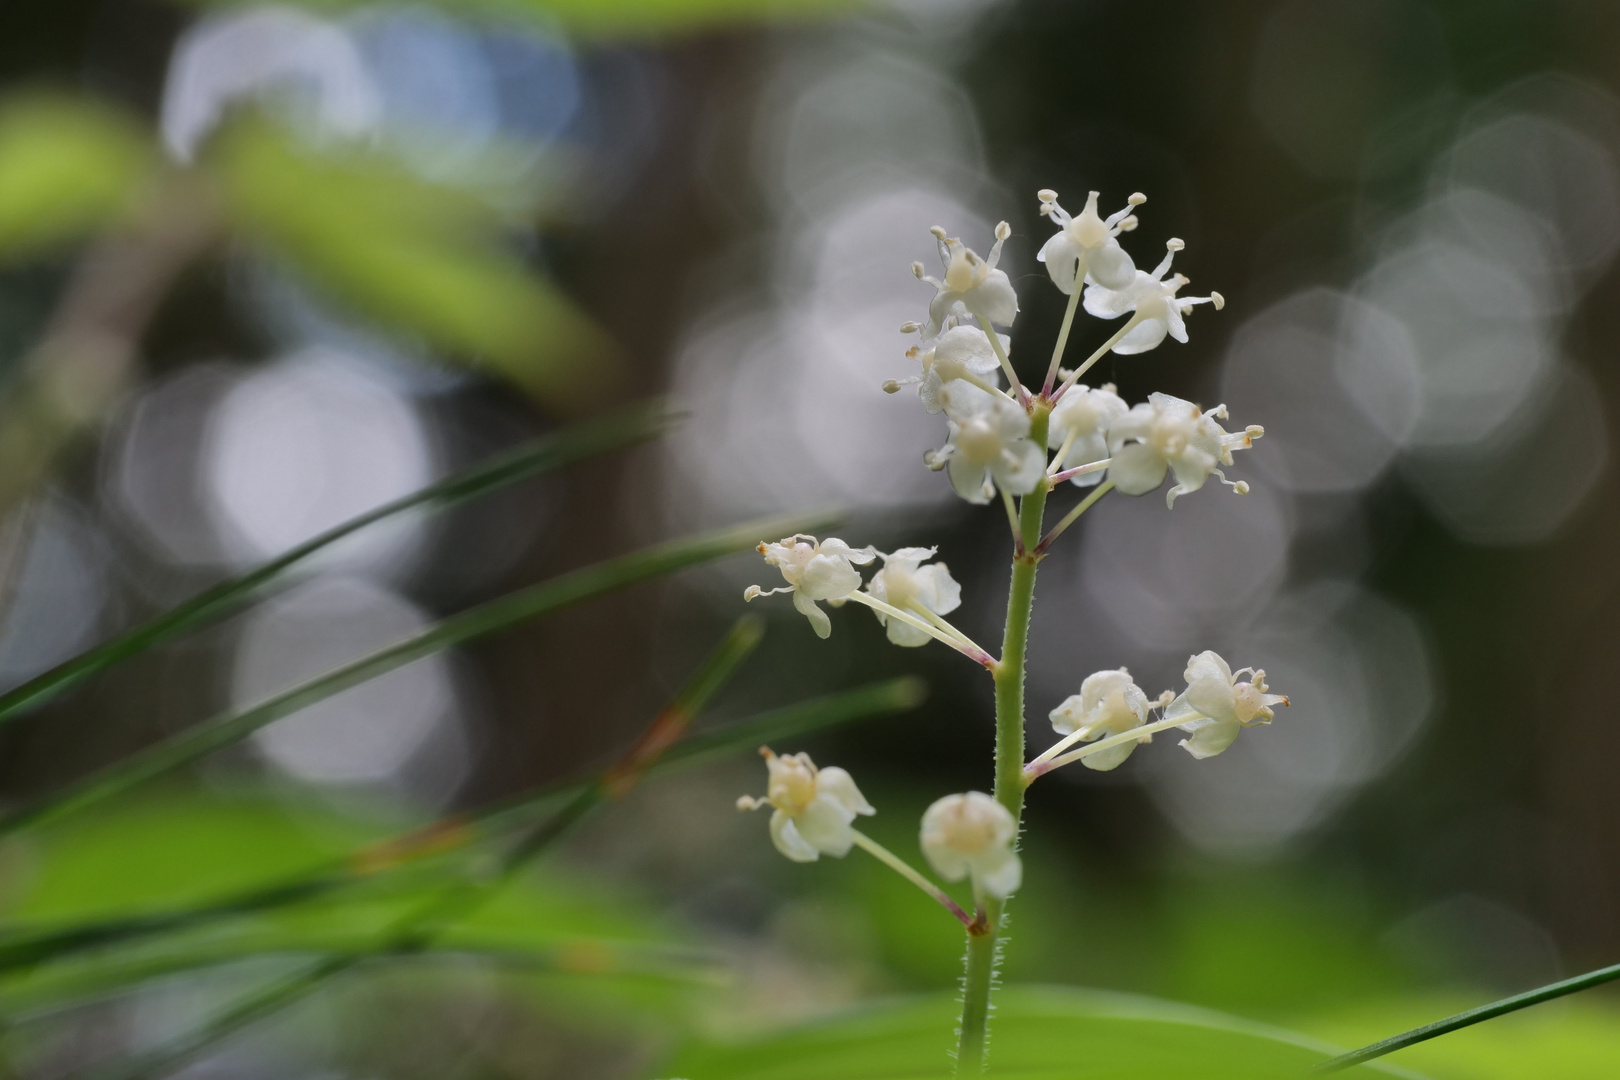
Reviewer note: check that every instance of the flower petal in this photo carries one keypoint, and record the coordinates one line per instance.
(1109, 266)
(824, 824)
(818, 618)
(1211, 695)
(838, 784)
(999, 872)
(995, 300)
(789, 842)
(1210, 737)
(1064, 261)
(967, 477)
(1136, 469)
(938, 591)
(1146, 335)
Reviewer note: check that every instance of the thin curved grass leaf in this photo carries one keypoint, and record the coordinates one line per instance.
(67, 169)
(569, 445)
(1038, 1033)
(423, 259)
(518, 607)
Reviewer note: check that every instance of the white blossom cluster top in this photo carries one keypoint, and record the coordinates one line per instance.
(1003, 439)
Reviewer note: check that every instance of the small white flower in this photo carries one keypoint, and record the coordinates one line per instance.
(972, 835)
(989, 447)
(951, 364)
(1167, 434)
(814, 807)
(1108, 703)
(1155, 304)
(814, 571)
(1215, 706)
(1084, 248)
(1081, 418)
(972, 285)
(906, 584)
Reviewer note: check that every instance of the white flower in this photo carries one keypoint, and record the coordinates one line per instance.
(989, 447)
(906, 584)
(1169, 434)
(972, 285)
(952, 365)
(1081, 419)
(1215, 706)
(1084, 248)
(814, 571)
(814, 807)
(1158, 310)
(1108, 703)
(972, 834)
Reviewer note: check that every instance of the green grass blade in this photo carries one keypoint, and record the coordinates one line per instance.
(1471, 1017)
(801, 718)
(499, 614)
(572, 444)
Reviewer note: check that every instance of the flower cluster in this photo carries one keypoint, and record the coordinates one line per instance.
(1004, 439)
(1094, 433)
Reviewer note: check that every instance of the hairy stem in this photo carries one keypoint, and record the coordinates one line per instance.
(1010, 782)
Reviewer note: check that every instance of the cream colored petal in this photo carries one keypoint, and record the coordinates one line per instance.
(995, 300)
(818, 618)
(824, 825)
(968, 477)
(937, 590)
(1109, 266)
(1146, 335)
(788, 841)
(1136, 469)
(1111, 758)
(1207, 662)
(999, 872)
(827, 577)
(1210, 737)
(1069, 715)
(1212, 696)
(1064, 259)
(840, 785)
(902, 633)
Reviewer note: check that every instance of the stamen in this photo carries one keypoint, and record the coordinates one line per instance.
(891, 386)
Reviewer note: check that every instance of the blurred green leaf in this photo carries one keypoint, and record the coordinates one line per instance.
(616, 18)
(414, 256)
(67, 168)
(1039, 1033)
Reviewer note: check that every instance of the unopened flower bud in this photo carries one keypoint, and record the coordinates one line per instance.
(972, 835)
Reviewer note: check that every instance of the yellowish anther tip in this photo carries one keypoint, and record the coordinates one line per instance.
(891, 386)
(751, 592)
(917, 269)
(1254, 431)
(1129, 224)
(744, 802)
(1285, 701)
(1003, 230)
(766, 752)
(938, 231)
(1175, 243)
(1240, 488)
(1220, 301)
(1137, 198)
(910, 327)
(1046, 194)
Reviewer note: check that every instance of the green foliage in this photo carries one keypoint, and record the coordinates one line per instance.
(67, 169)
(417, 257)
(1038, 1034)
(616, 18)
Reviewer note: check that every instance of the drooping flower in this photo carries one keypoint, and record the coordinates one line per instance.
(972, 285)
(813, 571)
(1167, 434)
(1153, 303)
(905, 583)
(953, 365)
(1216, 706)
(989, 447)
(972, 835)
(1081, 419)
(814, 807)
(1108, 703)
(1084, 249)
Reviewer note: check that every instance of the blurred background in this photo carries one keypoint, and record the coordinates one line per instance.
(1413, 211)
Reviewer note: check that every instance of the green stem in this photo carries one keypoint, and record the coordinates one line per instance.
(1472, 1016)
(982, 947)
(910, 873)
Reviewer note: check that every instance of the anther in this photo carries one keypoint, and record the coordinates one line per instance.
(1219, 300)
(1240, 488)
(891, 386)
(938, 231)
(1046, 195)
(1175, 243)
(1128, 224)
(751, 592)
(1137, 198)
(911, 327)
(1254, 431)
(917, 269)
(1003, 230)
